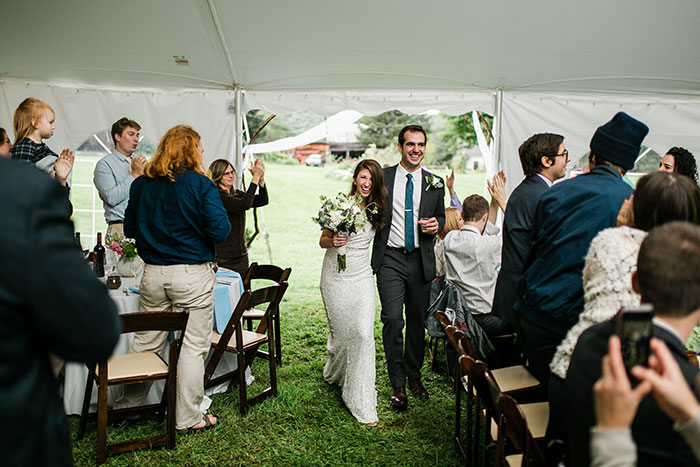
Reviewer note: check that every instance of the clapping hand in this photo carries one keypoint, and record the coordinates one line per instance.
(257, 170)
(261, 164)
(497, 189)
(450, 182)
(138, 165)
(64, 165)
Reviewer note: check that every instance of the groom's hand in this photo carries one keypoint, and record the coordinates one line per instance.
(430, 226)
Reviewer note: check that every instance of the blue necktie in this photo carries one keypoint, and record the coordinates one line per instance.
(408, 217)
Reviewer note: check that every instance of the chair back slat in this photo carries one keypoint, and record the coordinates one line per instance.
(455, 335)
(268, 272)
(154, 321)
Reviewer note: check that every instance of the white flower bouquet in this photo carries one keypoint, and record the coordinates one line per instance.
(343, 215)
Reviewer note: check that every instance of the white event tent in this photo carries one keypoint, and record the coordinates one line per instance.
(542, 65)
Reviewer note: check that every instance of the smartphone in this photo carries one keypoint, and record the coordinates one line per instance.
(635, 330)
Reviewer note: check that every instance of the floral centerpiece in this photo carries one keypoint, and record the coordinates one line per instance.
(122, 246)
(343, 215)
(125, 251)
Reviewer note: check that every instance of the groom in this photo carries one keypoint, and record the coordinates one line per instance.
(404, 261)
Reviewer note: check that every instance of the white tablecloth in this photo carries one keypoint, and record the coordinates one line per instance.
(76, 373)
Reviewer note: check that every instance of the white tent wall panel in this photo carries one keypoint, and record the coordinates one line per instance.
(82, 111)
(672, 121)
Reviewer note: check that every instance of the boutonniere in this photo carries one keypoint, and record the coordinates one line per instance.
(433, 182)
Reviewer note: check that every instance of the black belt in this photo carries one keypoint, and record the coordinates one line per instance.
(401, 250)
(115, 222)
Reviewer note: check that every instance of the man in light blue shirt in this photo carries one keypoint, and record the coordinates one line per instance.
(115, 172)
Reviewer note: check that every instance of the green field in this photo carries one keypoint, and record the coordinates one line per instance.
(307, 424)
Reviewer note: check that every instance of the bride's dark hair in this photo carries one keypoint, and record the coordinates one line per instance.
(379, 192)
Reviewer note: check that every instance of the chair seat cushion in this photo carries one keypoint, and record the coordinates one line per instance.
(249, 338)
(135, 367)
(514, 378)
(536, 415)
(515, 460)
(253, 314)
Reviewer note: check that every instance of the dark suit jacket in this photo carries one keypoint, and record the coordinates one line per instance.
(50, 301)
(568, 216)
(657, 442)
(432, 204)
(519, 217)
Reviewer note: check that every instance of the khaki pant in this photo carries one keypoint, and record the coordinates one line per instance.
(177, 288)
(115, 228)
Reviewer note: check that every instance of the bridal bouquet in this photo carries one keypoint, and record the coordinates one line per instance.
(343, 215)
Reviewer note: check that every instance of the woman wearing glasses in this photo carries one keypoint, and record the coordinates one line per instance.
(232, 253)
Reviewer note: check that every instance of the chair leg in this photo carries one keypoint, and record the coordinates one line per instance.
(86, 401)
(278, 340)
(171, 392)
(458, 417)
(272, 358)
(242, 389)
(102, 391)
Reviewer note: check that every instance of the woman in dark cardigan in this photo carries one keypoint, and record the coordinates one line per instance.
(232, 253)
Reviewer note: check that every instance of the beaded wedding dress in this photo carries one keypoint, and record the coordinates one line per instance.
(350, 301)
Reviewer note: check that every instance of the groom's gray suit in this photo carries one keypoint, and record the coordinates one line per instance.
(404, 279)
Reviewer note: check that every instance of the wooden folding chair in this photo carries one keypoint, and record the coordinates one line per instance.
(488, 393)
(516, 426)
(131, 369)
(246, 344)
(277, 275)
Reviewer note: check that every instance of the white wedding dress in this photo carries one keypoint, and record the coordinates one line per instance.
(350, 301)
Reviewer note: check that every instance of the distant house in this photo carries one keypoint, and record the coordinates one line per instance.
(339, 144)
(473, 158)
(344, 144)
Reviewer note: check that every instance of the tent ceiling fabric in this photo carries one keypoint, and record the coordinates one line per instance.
(363, 55)
(599, 46)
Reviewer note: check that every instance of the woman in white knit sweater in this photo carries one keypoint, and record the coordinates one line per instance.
(611, 259)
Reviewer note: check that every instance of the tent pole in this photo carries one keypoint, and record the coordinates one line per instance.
(238, 137)
(498, 118)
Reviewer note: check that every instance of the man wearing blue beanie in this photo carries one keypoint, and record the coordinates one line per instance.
(568, 216)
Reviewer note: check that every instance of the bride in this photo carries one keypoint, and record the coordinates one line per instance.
(350, 301)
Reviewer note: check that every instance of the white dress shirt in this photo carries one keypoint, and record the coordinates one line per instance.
(398, 206)
(472, 263)
(546, 180)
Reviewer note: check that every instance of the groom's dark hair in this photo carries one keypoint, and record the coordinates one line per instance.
(413, 128)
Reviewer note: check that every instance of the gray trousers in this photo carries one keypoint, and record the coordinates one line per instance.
(400, 283)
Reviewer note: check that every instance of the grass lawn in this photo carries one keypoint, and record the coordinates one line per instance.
(307, 424)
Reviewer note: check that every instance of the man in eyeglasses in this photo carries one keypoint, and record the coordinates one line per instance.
(568, 216)
(543, 158)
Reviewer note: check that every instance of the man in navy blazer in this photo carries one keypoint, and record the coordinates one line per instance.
(567, 218)
(403, 258)
(543, 158)
(50, 302)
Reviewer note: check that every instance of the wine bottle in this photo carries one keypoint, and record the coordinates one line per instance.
(99, 251)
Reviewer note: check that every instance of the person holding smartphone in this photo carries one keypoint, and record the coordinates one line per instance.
(673, 292)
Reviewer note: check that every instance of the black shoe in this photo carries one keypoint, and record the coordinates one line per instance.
(418, 390)
(399, 401)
